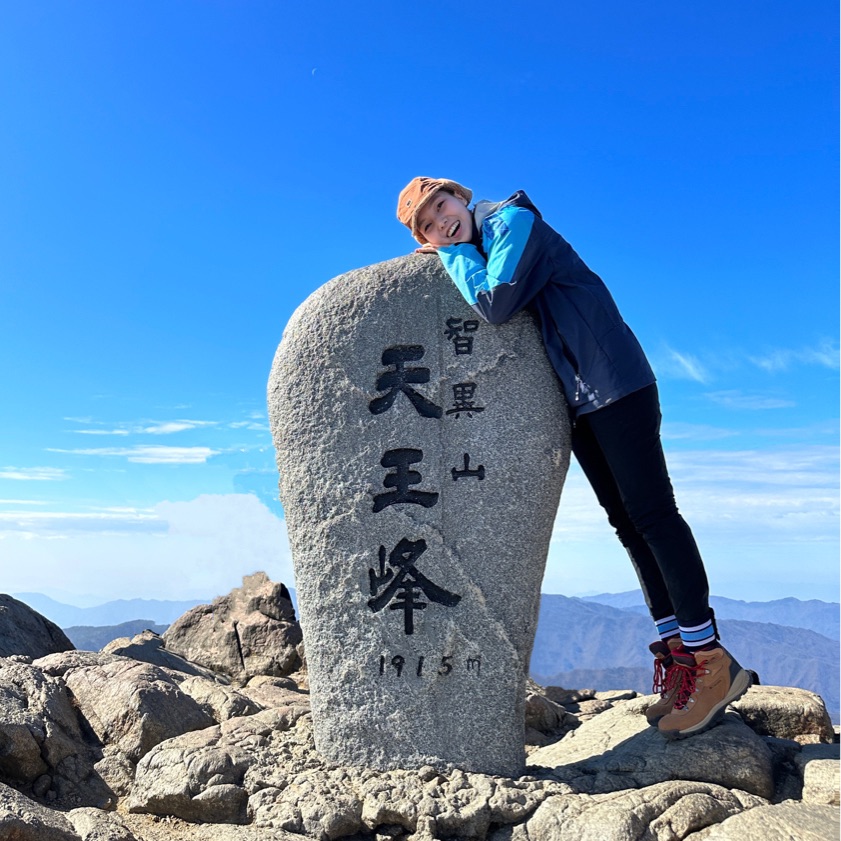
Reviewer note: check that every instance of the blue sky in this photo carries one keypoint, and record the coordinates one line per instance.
(177, 178)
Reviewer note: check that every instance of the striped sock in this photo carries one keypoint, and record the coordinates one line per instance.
(698, 636)
(666, 627)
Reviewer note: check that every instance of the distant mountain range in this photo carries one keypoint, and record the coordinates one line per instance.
(814, 615)
(96, 637)
(598, 642)
(585, 643)
(110, 613)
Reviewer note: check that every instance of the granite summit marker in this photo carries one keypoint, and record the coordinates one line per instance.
(421, 455)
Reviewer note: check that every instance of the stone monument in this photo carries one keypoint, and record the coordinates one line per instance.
(421, 455)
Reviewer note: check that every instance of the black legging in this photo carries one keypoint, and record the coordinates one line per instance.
(620, 452)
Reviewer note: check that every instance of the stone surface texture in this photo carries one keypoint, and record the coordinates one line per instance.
(24, 631)
(781, 822)
(134, 706)
(149, 647)
(447, 689)
(251, 631)
(617, 750)
(254, 774)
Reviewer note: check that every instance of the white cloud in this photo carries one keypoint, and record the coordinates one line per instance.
(63, 524)
(33, 474)
(143, 427)
(824, 355)
(197, 549)
(694, 432)
(681, 366)
(168, 427)
(736, 399)
(143, 454)
(766, 523)
(22, 502)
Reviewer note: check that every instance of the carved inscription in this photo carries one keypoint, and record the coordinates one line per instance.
(459, 333)
(467, 473)
(401, 379)
(397, 583)
(399, 666)
(400, 480)
(463, 394)
(403, 583)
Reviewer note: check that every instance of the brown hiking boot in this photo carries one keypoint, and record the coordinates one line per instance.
(715, 680)
(666, 678)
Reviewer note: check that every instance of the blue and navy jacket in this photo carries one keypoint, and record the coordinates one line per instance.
(517, 261)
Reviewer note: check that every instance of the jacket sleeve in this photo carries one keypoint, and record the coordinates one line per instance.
(501, 286)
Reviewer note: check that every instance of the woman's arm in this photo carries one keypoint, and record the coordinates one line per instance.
(499, 287)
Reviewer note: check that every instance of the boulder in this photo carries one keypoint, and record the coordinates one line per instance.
(22, 819)
(421, 456)
(787, 713)
(251, 631)
(819, 769)
(41, 743)
(134, 706)
(148, 647)
(617, 750)
(780, 822)
(24, 631)
(661, 812)
(97, 825)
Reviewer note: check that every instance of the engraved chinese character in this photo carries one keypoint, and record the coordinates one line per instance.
(404, 583)
(401, 379)
(463, 400)
(400, 480)
(457, 331)
(467, 473)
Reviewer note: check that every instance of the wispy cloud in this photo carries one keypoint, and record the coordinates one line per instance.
(695, 432)
(736, 399)
(22, 502)
(257, 427)
(53, 524)
(142, 427)
(33, 474)
(149, 454)
(825, 355)
(683, 366)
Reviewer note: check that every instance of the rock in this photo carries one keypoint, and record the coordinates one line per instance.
(786, 712)
(819, 768)
(271, 757)
(22, 819)
(149, 648)
(96, 825)
(568, 697)
(275, 692)
(23, 631)
(134, 706)
(251, 631)
(781, 822)
(617, 750)
(219, 702)
(545, 720)
(41, 743)
(57, 665)
(421, 457)
(661, 812)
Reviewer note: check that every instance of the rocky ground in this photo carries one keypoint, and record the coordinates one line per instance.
(205, 734)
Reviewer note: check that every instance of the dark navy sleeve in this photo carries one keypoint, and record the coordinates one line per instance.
(499, 287)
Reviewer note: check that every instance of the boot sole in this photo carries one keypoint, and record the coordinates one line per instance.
(741, 683)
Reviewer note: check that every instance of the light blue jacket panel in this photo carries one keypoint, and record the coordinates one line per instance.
(522, 262)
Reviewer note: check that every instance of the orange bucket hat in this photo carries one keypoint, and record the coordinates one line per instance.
(418, 193)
